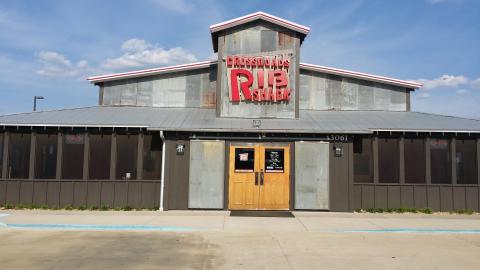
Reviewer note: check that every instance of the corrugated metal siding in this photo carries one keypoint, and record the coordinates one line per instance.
(320, 91)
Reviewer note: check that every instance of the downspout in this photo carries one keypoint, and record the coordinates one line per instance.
(162, 180)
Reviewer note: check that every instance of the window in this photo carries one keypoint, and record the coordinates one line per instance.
(152, 157)
(18, 155)
(274, 160)
(72, 163)
(46, 156)
(244, 159)
(440, 162)
(363, 160)
(127, 146)
(414, 161)
(99, 163)
(466, 161)
(388, 161)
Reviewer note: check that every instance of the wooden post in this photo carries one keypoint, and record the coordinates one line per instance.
(58, 173)
(86, 155)
(453, 161)
(6, 139)
(113, 157)
(375, 160)
(33, 145)
(401, 150)
(141, 139)
(428, 175)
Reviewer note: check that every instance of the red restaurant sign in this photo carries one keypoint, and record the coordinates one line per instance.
(260, 78)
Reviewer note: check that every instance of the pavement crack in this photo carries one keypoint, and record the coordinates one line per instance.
(283, 253)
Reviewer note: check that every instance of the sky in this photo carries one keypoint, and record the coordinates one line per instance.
(49, 48)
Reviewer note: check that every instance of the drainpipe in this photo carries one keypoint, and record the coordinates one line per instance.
(162, 181)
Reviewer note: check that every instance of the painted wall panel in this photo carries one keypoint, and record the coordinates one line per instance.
(206, 177)
(394, 197)
(312, 175)
(407, 196)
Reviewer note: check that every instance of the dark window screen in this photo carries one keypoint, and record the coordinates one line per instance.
(1, 152)
(388, 161)
(72, 163)
(274, 160)
(46, 156)
(363, 160)
(414, 160)
(466, 160)
(152, 157)
(18, 155)
(127, 146)
(244, 159)
(440, 161)
(99, 163)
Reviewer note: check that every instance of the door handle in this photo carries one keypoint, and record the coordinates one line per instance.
(262, 174)
(256, 178)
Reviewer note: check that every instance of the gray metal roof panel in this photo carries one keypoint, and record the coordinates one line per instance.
(205, 119)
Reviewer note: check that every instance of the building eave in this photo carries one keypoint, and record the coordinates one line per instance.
(360, 75)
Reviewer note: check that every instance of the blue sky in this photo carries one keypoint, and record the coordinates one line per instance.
(48, 48)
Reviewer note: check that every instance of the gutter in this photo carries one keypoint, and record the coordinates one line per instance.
(162, 180)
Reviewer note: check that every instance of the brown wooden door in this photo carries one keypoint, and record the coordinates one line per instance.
(259, 177)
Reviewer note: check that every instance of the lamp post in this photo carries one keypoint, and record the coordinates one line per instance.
(35, 102)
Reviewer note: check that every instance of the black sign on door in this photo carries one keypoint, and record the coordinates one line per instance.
(274, 160)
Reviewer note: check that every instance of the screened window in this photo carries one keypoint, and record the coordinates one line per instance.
(414, 160)
(72, 163)
(46, 156)
(99, 163)
(466, 161)
(244, 159)
(18, 155)
(152, 157)
(388, 161)
(440, 161)
(127, 146)
(363, 160)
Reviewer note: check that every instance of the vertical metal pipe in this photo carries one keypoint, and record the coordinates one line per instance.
(113, 157)
(478, 161)
(140, 156)
(162, 181)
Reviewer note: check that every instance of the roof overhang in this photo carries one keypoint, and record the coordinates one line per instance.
(217, 28)
(359, 75)
(149, 72)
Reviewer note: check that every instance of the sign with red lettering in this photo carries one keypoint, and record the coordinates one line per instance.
(259, 78)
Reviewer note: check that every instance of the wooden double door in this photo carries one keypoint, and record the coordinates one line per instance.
(259, 177)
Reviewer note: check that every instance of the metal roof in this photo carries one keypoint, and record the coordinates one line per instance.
(198, 119)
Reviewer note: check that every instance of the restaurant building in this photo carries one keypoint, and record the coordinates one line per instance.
(255, 129)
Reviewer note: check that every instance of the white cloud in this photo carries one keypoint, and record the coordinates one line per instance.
(139, 53)
(424, 95)
(180, 6)
(56, 65)
(475, 84)
(443, 81)
(462, 92)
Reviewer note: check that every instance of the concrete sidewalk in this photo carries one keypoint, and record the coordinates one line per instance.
(216, 240)
(222, 221)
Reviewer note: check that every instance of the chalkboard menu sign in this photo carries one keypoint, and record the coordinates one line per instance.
(274, 160)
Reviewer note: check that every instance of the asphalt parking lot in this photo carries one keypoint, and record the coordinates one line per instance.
(215, 240)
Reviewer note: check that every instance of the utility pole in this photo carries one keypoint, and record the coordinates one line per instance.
(35, 102)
